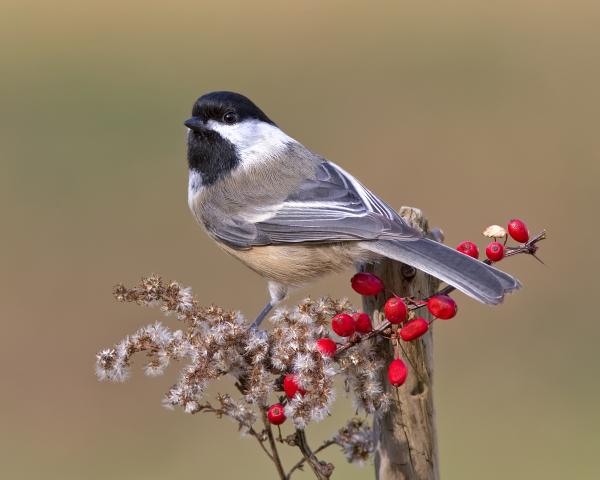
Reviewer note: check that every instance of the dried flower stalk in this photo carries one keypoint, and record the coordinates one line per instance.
(214, 342)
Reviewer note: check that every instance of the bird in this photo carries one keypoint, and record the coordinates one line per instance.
(293, 216)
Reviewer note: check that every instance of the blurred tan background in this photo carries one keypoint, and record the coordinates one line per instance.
(471, 111)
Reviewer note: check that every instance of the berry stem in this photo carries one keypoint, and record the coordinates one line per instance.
(259, 436)
(410, 360)
(530, 247)
(274, 453)
(321, 470)
(301, 462)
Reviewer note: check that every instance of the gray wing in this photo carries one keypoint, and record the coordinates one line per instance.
(331, 207)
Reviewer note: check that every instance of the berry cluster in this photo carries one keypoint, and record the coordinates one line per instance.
(496, 251)
(401, 317)
(403, 322)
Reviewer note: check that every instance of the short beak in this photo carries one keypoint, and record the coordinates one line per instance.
(194, 124)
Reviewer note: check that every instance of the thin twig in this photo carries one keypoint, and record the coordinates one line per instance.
(321, 470)
(412, 364)
(300, 463)
(273, 454)
(261, 441)
(208, 408)
(273, 445)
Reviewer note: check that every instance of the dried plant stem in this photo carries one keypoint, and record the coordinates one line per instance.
(301, 462)
(261, 442)
(260, 437)
(321, 470)
(272, 444)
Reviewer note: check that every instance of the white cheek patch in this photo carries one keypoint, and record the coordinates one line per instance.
(255, 141)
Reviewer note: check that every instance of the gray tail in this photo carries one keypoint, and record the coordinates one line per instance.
(473, 277)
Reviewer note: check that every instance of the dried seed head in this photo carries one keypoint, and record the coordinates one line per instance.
(494, 231)
(357, 441)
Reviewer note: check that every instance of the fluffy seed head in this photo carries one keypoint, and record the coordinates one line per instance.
(494, 231)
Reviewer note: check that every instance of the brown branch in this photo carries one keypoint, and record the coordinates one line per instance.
(275, 454)
(208, 408)
(261, 441)
(321, 470)
(301, 462)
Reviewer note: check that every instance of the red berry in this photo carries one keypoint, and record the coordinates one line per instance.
(469, 248)
(326, 346)
(291, 387)
(414, 329)
(343, 324)
(363, 322)
(495, 251)
(442, 307)
(367, 284)
(275, 414)
(397, 372)
(395, 310)
(518, 230)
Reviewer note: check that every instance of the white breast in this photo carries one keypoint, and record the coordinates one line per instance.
(194, 187)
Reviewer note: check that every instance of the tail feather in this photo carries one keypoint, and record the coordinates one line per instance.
(478, 280)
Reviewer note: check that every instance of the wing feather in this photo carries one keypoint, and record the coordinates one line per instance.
(332, 207)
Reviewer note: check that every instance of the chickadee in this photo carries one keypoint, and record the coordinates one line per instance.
(292, 216)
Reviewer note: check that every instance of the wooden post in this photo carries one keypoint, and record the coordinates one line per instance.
(406, 444)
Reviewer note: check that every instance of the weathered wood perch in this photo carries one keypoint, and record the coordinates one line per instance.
(406, 444)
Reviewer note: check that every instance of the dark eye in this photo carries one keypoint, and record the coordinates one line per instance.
(230, 118)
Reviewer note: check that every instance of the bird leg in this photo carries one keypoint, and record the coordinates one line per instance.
(262, 315)
(278, 292)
